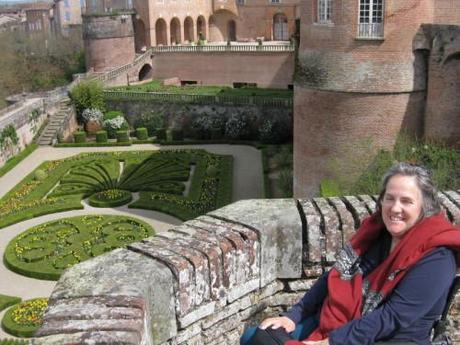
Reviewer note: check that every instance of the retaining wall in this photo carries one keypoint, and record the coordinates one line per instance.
(204, 281)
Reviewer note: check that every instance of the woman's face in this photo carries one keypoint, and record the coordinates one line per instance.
(401, 205)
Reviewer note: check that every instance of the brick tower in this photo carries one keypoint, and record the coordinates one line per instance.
(360, 76)
(108, 34)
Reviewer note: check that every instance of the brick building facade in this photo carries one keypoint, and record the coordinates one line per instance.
(367, 70)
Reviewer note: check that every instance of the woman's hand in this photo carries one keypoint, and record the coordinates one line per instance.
(318, 342)
(277, 322)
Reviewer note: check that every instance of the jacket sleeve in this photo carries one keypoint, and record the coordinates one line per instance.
(412, 298)
(311, 302)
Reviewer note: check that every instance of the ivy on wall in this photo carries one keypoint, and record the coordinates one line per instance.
(8, 136)
(33, 119)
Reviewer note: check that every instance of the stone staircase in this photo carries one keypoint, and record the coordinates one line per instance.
(55, 123)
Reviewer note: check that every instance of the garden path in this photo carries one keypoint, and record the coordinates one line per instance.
(247, 183)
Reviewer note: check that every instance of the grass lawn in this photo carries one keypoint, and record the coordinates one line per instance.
(155, 86)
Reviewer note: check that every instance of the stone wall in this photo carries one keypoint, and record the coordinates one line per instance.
(206, 280)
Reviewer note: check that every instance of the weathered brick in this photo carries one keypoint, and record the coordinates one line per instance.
(358, 208)
(368, 202)
(452, 210)
(73, 326)
(333, 235)
(90, 338)
(314, 234)
(346, 219)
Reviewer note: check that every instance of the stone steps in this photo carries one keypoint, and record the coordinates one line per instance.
(55, 123)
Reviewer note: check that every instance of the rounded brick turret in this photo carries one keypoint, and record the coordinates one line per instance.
(109, 40)
(361, 77)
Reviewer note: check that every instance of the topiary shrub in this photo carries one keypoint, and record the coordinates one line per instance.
(151, 121)
(122, 136)
(8, 301)
(40, 175)
(161, 133)
(177, 134)
(212, 171)
(101, 136)
(24, 319)
(113, 114)
(110, 198)
(141, 133)
(79, 137)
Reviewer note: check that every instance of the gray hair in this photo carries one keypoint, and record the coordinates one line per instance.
(430, 204)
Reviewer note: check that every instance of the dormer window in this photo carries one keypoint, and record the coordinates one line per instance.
(324, 11)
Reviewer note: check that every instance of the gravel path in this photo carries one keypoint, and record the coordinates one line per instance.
(247, 184)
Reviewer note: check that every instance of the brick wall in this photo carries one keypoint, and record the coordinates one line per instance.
(206, 280)
(267, 69)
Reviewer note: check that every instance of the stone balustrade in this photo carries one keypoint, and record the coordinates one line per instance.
(202, 282)
(208, 48)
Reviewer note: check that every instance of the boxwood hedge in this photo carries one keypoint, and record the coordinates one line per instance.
(44, 251)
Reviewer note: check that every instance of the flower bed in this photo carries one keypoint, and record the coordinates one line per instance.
(25, 318)
(44, 251)
(110, 198)
(154, 174)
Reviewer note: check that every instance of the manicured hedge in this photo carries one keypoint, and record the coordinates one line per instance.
(44, 251)
(101, 136)
(79, 137)
(177, 134)
(93, 144)
(122, 136)
(110, 198)
(7, 301)
(141, 133)
(161, 134)
(159, 177)
(24, 319)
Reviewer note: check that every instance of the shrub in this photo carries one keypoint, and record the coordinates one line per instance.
(79, 137)
(151, 121)
(114, 125)
(177, 134)
(122, 136)
(113, 114)
(14, 342)
(274, 132)
(205, 125)
(101, 136)
(212, 171)
(40, 175)
(141, 133)
(24, 319)
(161, 133)
(237, 127)
(92, 115)
(87, 94)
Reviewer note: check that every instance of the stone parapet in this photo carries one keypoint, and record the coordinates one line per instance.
(206, 280)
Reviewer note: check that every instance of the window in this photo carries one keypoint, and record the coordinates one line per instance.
(324, 11)
(240, 2)
(67, 16)
(275, 1)
(66, 3)
(370, 19)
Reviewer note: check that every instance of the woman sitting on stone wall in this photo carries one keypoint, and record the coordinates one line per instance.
(389, 283)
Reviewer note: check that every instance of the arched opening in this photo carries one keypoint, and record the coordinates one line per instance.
(146, 72)
(201, 27)
(280, 27)
(139, 36)
(188, 30)
(222, 26)
(160, 32)
(231, 30)
(175, 31)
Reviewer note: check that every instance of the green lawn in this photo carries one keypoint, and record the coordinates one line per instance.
(155, 86)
